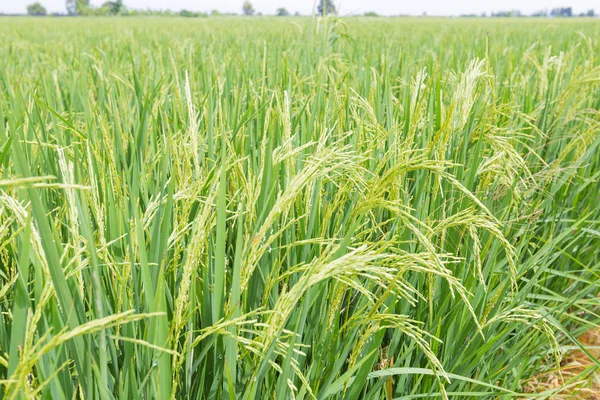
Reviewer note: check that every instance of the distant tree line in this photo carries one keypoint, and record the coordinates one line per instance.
(116, 7)
(83, 7)
(36, 9)
(559, 12)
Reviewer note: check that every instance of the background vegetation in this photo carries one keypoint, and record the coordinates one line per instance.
(308, 208)
(323, 7)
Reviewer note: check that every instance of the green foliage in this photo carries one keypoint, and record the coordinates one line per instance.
(329, 208)
(247, 8)
(82, 7)
(562, 12)
(36, 9)
(192, 14)
(507, 14)
(79, 7)
(282, 12)
(71, 7)
(113, 7)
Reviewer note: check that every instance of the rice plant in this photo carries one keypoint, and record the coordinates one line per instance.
(232, 208)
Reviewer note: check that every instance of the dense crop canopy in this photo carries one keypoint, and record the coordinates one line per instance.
(317, 208)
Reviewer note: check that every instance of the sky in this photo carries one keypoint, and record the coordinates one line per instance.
(345, 7)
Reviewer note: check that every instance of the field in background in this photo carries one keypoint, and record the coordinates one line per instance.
(298, 208)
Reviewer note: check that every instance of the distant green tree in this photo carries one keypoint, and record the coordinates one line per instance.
(113, 7)
(562, 12)
(503, 14)
(282, 12)
(78, 7)
(83, 7)
(36, 9)
(371, 14)
(71, 10)
(326, 7)
(192, 14)
(247, 8)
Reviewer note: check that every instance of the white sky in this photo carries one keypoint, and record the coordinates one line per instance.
(384, 7)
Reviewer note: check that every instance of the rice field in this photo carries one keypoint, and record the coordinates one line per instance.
(298, 208)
